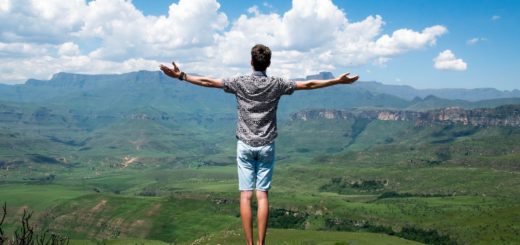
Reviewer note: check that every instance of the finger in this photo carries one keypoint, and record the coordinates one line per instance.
(175, 66)
(344, 76)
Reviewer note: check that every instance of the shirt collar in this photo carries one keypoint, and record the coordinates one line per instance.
(259, 73)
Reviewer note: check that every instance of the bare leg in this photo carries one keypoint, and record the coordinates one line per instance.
(262, 215)
(246, 215)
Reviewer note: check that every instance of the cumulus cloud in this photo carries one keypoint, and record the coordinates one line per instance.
(310, 23)
(446, 60)
(69, 33)
(114, 36)
(404, 40)
(316, 35)
(39, 21)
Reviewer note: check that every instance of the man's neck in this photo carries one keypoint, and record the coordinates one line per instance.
(259, 73)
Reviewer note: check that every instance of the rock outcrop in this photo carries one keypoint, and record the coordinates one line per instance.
(508, 115)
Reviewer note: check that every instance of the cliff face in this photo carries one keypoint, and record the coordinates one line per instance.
(501, 116)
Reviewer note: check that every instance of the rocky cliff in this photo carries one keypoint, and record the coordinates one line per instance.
(508, 115)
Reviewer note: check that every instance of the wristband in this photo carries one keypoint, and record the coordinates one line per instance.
(182, 76)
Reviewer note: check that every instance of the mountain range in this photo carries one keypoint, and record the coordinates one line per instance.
(410, 93)
(105, 118)
(124, 92)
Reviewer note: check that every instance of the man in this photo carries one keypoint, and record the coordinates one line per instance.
(257, 97)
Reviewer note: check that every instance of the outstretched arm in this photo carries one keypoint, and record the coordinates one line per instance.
(314, 84)
(175, 72)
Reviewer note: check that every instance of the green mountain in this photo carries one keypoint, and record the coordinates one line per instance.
(107, 94)
(408, 92)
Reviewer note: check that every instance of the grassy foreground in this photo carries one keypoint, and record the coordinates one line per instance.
(297, 237)
(200, 205)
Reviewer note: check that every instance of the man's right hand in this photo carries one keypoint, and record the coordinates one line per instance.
(175, 72)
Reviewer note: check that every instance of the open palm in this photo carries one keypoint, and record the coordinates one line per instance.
(347, 80)
(175, 72)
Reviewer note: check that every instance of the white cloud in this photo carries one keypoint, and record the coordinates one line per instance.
(495, 17)
(42, 67)
(253, 10)
(404, 40)
(446, 60)
(39, 21)
(23, 50)
(5, 5)
(310, 23)
(114, 36)
(68, 49)
(472, 41)
(475, 40)
(315, 35)
(126, 32)
(267, 5)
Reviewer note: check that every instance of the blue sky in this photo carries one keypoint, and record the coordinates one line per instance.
(424, 44)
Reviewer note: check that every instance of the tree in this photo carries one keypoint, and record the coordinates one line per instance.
(25, 235)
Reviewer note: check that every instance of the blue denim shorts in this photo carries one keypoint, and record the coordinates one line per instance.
(255, 166)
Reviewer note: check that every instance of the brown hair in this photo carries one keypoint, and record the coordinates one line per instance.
(260, 57)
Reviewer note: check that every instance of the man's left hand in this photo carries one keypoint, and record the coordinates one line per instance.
(347, 80)
(175, 72)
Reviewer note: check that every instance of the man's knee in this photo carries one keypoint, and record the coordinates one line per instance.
(246, 195)
(261, 195)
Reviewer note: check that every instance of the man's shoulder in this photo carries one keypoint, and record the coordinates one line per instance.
(237, 78)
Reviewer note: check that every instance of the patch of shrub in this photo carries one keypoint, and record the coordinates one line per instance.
(148, 193)
(342, 185)
(393, 194)
(408, 232)
(286, 219)
(47, 179)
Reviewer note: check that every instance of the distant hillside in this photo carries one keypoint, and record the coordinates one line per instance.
(410, 93)
(120, 93)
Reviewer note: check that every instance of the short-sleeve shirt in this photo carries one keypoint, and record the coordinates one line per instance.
(257, 101)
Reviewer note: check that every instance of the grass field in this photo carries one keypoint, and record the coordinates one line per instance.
(477, 206)
(297, 237)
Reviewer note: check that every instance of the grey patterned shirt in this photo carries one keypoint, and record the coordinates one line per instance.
(257, 98)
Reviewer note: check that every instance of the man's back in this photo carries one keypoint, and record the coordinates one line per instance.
(257, 97)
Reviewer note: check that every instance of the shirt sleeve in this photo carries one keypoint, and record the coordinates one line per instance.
(230, 85)
(287, 86)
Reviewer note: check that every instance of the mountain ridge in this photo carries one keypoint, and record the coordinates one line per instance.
(404, 91)
(122, 92)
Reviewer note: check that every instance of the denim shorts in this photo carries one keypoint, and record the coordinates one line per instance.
(255, 166)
